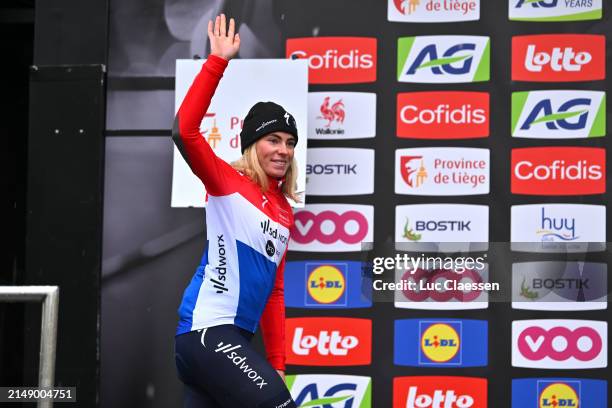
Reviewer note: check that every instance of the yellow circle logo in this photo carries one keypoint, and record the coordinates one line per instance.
(440, 342)
(558, 395)
(326, 284)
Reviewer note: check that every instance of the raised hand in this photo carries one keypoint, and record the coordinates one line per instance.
(223, 43)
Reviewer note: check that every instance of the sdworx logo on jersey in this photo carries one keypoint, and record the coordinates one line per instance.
(341, 115)
(433, 11)
(559, 393)
(439, 392)
(330, 390)
(554, 10)
(443, 59)
(558, 114)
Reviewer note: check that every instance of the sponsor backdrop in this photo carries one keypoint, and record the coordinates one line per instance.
(427, 120)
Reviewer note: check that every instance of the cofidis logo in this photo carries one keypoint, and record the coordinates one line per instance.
(443, 115)
(558, 171)
(330, 391)
(336, 60)
(329, 341)
(558, 114)
(442, 171)
(559, 392)
(339, 171)
(554, 10)
(433, 11)
(327, 285)
(332, 228)
(443, 59)
(341, 115)
(442, 343)
(439, 392)
(558, 57)
(559, 286)
(559, 344)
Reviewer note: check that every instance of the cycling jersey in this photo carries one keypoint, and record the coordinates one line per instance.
(240, 278)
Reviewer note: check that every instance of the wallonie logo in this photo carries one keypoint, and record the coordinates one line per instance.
(433, 11)
(327, 285)
(558, 114)
(559, 344)
(442, 343)
(559, 393)
(558, 57)
(336, 60)
(439, 392)
(341, 115)
(554, 10)
(443, 115)
(330, 391)
(443, 59)
(558, 171)
(332, 228)
(329, 341)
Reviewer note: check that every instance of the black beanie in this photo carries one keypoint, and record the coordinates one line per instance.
(264, 118)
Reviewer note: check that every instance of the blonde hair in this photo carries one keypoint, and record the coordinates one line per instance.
(249, 165)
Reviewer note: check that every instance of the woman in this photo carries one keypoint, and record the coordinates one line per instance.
(240, 278)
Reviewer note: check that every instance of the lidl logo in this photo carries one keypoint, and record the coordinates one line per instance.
(327, 284)
(330, 391)
(559, 393)
(558, 114)
(443, 59)
(441, 343)
(554, 10)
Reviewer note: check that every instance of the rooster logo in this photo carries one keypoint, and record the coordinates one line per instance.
(333, 113)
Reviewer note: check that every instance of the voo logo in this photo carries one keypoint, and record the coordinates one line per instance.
(444, 295)
(560, 343)
(328, 227)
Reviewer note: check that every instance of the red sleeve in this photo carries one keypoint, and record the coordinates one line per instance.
(196, 151)
(273, 321)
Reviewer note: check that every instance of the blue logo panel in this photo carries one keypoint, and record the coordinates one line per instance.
(559, 392)
(440, 343)
(327, 284)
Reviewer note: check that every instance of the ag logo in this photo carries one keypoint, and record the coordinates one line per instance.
(558, 114)
(330, 391)
(554, 10)
(270, 248)
(326, 284)
(440, 342)
(443, 59)
(559, 395)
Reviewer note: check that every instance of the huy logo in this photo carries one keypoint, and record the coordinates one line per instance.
(442, 171)
(433, 11)
(326, 284)
(559, 344)
(558, 114)
(330, 391)
(553, 229)
(341, 115)
(439, 392)
(332, 227)
(329, 341)
(554, 10)
(558, 171)
(336, 60)
(443, 115)
(558, 57)
(443, 59)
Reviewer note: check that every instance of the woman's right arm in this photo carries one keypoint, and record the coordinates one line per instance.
(186, 130)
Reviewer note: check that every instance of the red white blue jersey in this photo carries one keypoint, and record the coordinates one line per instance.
(240, 278)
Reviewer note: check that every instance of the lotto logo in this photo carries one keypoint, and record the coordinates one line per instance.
(559, 344)
(443, 115)
(558, 58)
(558, 171)
(332, 228)
(336, 60)
(329, 341)
(439, 392)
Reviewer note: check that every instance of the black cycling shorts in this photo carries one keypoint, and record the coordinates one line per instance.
(220, 369)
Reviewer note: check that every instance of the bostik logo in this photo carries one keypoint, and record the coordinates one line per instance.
(330, 391)
(336, 60)
(554, 10)
(558, 171)
(443, 59)
(558, 57)
(558, 114)
(443, 115)
(433, 11)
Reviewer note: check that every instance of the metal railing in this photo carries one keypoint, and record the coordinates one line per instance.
(49, 296)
